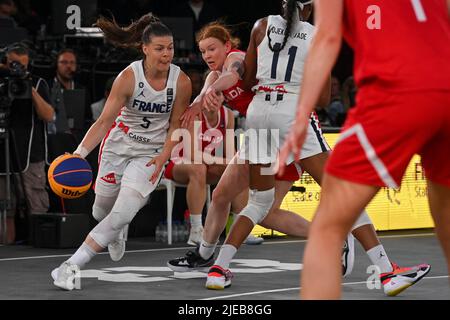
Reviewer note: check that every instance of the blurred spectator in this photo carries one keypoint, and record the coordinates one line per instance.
(7, 10)
(336, 110)
(27, 17)
(349, 90)
(66, 69)
(97, 107)
(202, 11)
(197, 82)
(28, 121)
(323, 116)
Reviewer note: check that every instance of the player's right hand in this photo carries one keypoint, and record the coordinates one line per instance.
(191, 114)
(213, 100)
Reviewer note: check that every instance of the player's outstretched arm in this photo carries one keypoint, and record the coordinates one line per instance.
(234, 70)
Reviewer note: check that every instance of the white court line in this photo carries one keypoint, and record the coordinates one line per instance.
(186, 248)
(296, 288)
(381, 237)
(69, 255)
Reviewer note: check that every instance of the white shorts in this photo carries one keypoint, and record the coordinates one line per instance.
(130, 171)
(269, 122)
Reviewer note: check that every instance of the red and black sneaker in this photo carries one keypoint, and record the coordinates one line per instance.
(401, 278)
(218, 278)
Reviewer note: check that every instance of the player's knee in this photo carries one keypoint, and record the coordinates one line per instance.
(198, 173)
(259, 204)
(123, 213)
(220, 198)
(362, 220)
(121, 219)
(98, 212)
(127, 205)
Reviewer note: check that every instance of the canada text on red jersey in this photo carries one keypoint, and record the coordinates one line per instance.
(236, 97)
(401, 45)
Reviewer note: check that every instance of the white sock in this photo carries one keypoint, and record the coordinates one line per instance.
(379, 258)
(206, 250)
(226, 254)
(83, 255)
(196, 220)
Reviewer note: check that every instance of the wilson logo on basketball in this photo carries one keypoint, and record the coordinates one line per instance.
(71, 193)
(109, 178)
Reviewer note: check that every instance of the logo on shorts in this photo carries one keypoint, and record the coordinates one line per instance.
(109, 178)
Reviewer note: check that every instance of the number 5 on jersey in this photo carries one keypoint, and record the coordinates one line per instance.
(146, 123)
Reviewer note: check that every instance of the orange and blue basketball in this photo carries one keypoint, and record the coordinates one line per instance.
(70, 176)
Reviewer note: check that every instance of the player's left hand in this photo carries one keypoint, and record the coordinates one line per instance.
(293, 143)
(158, 162)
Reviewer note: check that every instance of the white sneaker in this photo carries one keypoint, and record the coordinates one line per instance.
(348, 255)
(251, 239)
(195, 236)
(67, 276)
(116, 249)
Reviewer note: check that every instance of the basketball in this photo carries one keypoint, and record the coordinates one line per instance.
(70, 176)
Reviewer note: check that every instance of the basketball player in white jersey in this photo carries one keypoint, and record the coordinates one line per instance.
(150, 95)
(276, 59)
(277, 50)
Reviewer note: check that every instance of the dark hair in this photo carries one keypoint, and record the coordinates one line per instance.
(66, 50)
(18, 49)
(291, 8)
(137, 33)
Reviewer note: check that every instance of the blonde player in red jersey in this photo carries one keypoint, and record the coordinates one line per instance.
(398, 72)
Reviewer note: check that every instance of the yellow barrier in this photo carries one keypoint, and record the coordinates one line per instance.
(391, 209)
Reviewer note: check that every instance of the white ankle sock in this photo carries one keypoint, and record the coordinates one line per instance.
(196, 220)
(226, 254)
(83, 255)
(206, 250)
(379, 258)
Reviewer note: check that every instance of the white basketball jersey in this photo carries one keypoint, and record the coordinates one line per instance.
(143, 123)
(283, 68)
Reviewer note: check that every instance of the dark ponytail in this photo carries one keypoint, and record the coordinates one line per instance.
(291, 8)
(137, 33)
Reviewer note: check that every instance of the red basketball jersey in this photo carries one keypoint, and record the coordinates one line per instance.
(236, 97)
(400, 45)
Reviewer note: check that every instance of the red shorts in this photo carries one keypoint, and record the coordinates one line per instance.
(168, 173)
(292, 172)
(385, 130)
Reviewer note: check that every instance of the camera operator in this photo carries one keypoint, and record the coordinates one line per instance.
(66, 70)
(28, 121)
